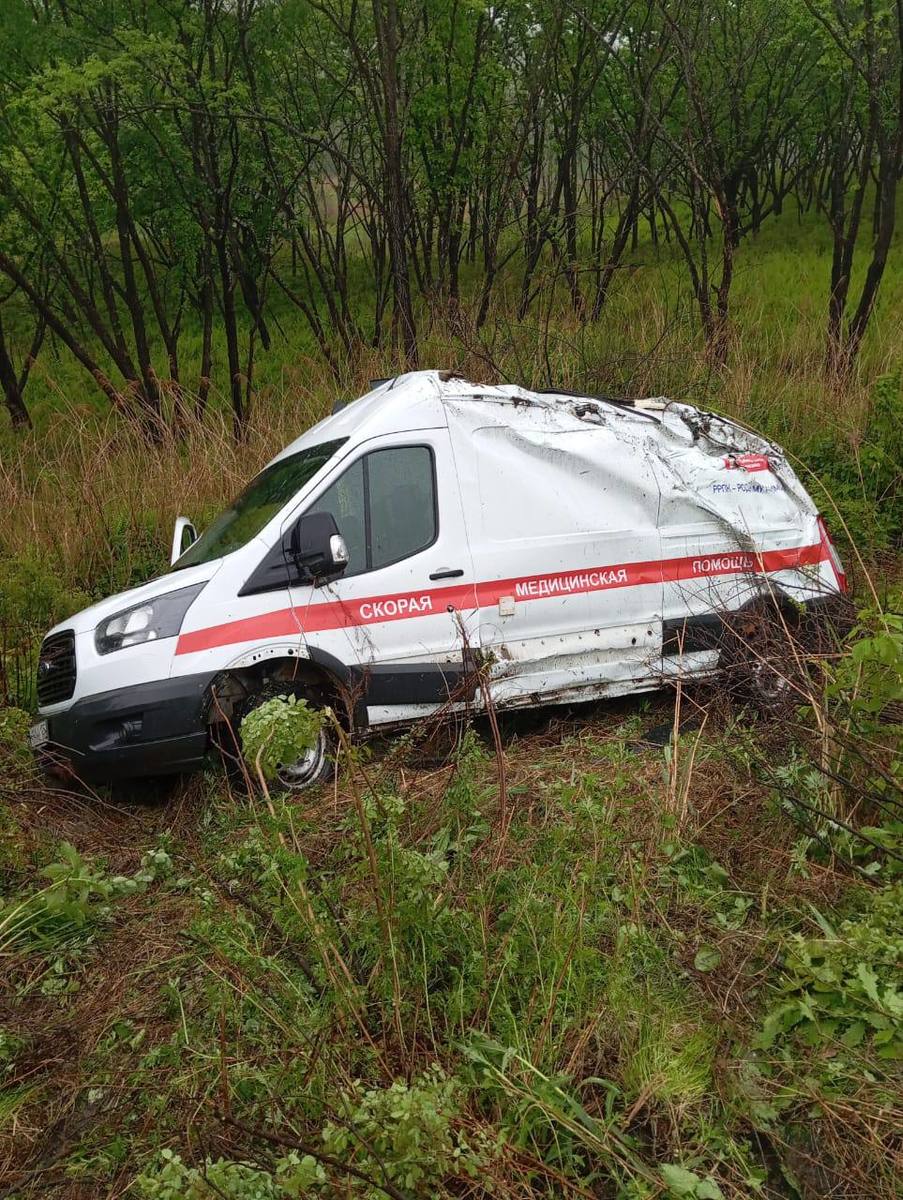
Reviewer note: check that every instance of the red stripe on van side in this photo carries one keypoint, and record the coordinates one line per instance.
(398, 606)
(333, 614)
(668, 570)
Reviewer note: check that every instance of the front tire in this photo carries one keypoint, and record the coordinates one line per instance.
(316, 766)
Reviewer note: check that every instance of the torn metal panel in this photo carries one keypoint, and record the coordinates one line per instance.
(559, 496)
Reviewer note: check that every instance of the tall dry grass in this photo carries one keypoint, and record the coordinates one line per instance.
(67, 490)
(89, 497)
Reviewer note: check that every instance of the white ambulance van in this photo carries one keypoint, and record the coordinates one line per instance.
(573, 547)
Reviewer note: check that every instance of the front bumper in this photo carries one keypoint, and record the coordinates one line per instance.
(157, 728)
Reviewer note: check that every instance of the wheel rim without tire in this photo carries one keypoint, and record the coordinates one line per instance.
(769, 683)
(307, 768)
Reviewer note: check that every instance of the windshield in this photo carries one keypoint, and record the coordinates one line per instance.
(264, 496)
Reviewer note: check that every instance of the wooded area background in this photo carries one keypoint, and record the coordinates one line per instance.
(642, 949)
(168, 168)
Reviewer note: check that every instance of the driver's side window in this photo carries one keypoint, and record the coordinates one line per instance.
(384, 506)
(345, 500)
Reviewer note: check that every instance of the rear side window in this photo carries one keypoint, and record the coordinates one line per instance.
(384, 506)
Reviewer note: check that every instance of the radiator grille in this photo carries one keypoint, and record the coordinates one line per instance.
(56, 668)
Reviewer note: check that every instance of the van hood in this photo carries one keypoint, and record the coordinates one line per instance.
(172, 581)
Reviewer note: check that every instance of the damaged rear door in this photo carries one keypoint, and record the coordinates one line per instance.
(735, 525)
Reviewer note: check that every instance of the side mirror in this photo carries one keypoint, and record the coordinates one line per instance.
(183, 535)
(317, 547)
(338, 551)
(311, 551)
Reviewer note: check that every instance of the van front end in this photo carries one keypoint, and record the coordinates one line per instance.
(109, 706)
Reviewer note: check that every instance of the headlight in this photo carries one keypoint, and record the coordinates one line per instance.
(158, 618)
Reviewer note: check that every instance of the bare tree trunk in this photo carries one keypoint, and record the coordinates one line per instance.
(62, 330)
(12, 393)
(619, 244)
(385, 16)
(230, 322)
(206, 346)
(882, 74)
(884, 232)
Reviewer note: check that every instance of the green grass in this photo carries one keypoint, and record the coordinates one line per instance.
(579, 997)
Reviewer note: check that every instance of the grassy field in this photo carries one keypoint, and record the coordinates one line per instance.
(646, 948)
(637, 975)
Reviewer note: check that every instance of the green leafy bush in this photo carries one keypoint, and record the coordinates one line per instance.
(868, 679)
(169, 1178)
(33, 597)
(75, 900)
(33, 590)
(15, 754)
(846, 789)
(865, 697)
(404, 1133)
(844, 987)
(681, 1182)
(865, 481)
(72, 901)
(278, 732)
(408, 1135)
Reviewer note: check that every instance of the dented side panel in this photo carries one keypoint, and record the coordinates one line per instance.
(559, 506)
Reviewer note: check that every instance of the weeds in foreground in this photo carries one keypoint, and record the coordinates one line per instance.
(651, 972)
(381, 992)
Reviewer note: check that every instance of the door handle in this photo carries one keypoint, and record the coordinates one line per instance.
(447, 573)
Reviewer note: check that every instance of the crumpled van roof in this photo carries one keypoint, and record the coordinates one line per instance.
(675, 450)
(418, 399)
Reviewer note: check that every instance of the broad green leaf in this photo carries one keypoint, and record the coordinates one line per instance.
(854, 1034)
(679, 1180)
(707, 958)
(869, 981)
(708, 1189)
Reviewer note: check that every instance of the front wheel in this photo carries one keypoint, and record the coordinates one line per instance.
(316, 765)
